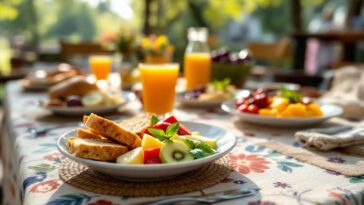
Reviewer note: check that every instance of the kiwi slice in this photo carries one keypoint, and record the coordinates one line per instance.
(175, 151)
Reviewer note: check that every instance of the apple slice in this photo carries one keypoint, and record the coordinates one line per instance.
(134, 156)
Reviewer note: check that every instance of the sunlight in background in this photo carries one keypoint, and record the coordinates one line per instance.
(120, 7)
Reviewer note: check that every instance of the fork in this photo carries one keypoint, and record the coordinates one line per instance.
(37, 132)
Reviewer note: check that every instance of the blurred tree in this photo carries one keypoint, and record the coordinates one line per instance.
(8, 9)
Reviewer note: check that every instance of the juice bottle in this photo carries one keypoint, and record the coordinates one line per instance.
(197, 59)
(100, 66)
(159, 87)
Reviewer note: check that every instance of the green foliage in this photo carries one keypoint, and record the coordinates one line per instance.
(293, 96)
(154, 120)
(8, 9)
(165, 136)
(199, 149)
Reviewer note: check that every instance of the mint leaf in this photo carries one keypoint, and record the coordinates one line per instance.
(197, 153)
(205, 148)
(172, 129)
(159, 134)
(154, 120)
(190, 144)
(221, 85)
(293, 96)
(199, 149)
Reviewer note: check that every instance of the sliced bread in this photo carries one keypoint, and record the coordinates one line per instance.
(112, 130)
(137, 124)
(96, 149)
(88, 134)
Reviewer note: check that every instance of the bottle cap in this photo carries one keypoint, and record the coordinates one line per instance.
(197, 34)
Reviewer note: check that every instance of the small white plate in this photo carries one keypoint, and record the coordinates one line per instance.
(208, 103)
(329, 110)
(77, 111)
(225, 142)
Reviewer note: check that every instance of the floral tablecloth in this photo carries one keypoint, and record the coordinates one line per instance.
(31, 164)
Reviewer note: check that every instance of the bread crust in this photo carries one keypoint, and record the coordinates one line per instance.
(112, 130)
(96, 149)
(88, 134)
(137, 124)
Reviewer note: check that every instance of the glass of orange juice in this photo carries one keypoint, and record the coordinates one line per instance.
(100, 66)
(159, 87)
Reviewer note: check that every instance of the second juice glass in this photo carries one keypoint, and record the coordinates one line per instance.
(159, 87)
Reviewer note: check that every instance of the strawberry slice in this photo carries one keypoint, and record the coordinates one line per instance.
(151, 156)
(183, 130)
(171, 119)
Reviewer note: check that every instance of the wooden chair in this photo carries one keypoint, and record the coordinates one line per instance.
(69, 50)
(276, 52)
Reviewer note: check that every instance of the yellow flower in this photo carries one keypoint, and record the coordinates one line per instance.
(161, 40)
(145, 42)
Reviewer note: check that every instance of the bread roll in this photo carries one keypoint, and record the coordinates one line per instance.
(74, 86)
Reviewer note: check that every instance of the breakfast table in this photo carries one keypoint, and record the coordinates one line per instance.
(31, 162)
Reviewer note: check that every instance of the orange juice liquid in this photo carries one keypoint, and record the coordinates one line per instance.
(159, 87)
(197, 70)
(100, 66)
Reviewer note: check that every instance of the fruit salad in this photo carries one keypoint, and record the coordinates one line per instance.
(285, 103)
(169, 141)
(217, 90)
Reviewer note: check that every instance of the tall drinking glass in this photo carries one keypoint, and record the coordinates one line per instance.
(159, 87)
(100, 66)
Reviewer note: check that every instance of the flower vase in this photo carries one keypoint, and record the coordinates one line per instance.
(158, 59)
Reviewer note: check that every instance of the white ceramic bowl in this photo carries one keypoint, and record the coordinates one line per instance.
(329, 110)
(225, 142)
(78, 111)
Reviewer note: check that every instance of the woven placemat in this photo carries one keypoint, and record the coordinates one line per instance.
(82, 177)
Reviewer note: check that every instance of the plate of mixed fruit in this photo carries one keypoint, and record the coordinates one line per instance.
(212, 95)
(280, 108)
(145, 147)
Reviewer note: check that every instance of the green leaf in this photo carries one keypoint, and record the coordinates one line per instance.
(293, 96)
(190, 143)
(221, 85)
(199, 149)
(205, 147)
(197, 153)
(159, 134)
(172, 129)
(154, 120)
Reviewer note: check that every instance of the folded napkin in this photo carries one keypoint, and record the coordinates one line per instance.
(351, 166)
(348, 91)
(330, 138)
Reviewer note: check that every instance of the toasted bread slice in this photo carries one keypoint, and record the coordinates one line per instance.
(137, 124)
(112, 130)
(88, 134)
(97, 149)
(84, 119)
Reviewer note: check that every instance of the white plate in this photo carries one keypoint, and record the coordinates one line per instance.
(208, 103)
(329, 110)
(225, 142)
(76, 111)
